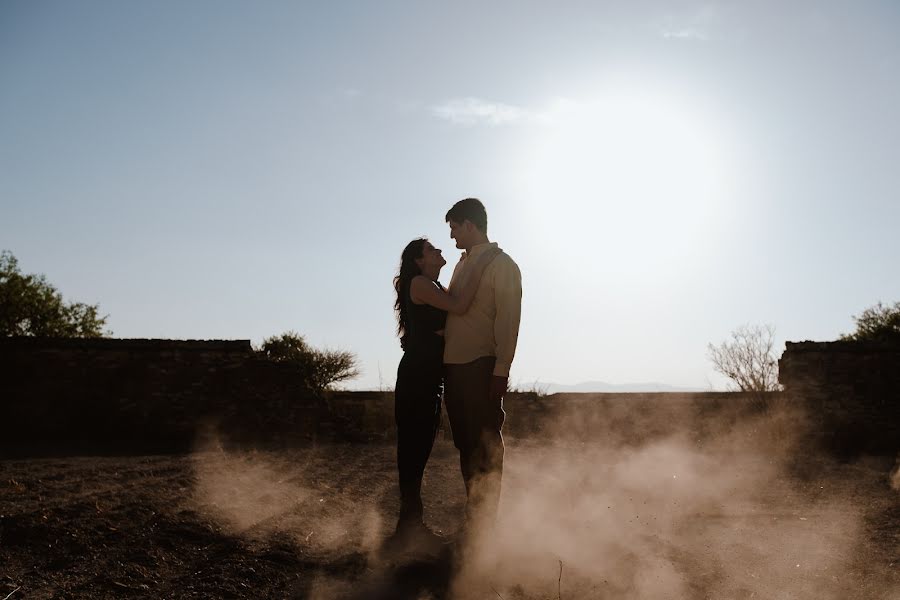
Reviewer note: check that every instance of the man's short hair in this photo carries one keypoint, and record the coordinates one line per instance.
(469, 209)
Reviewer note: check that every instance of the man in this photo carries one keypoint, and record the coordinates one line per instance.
(478, 351)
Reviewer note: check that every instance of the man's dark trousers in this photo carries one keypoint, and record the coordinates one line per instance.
(476, 420)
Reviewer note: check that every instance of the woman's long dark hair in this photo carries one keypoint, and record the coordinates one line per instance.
(408, 270)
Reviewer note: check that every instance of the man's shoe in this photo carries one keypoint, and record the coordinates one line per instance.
(458, 544)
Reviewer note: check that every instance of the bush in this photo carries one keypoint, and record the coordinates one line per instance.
(877, 323)
(31, 306)
(747, 359)
(321, 368)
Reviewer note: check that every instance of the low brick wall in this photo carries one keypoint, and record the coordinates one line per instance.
(120, 395)
(633, 418)
(619, 419)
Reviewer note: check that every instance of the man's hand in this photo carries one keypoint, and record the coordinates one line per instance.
(498, 387)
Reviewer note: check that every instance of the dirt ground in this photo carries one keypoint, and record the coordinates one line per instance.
(309, 524)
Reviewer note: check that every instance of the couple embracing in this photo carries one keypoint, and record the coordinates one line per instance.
(458, 345)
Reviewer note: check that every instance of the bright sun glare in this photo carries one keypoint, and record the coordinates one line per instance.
(639, 174)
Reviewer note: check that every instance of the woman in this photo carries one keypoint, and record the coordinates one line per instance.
(422, 305)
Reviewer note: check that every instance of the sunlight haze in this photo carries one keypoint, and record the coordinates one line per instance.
(661, 172)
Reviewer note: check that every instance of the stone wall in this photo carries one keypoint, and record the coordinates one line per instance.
(115, 395)
(619, 419)
(632, 418)
(121, 395)
(852, 390)
(147, 394)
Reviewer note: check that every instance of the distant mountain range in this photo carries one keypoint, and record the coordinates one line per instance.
(594, 387)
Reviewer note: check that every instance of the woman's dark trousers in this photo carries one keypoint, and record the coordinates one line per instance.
(417, 411)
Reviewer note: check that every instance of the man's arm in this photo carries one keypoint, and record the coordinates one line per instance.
(508, 305)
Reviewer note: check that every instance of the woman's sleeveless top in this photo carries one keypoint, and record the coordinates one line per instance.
(422, 321)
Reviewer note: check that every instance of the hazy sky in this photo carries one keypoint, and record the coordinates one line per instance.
(662, 172)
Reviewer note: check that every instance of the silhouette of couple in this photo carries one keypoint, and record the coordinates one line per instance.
(458, 345)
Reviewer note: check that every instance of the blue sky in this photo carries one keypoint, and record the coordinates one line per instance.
(661, 171)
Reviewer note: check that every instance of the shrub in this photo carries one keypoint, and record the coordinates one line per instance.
(877, 323)
(321, 368)
(31, 306)
(747, 358)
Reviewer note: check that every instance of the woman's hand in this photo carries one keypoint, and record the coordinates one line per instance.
(424, 291)
(485, 258)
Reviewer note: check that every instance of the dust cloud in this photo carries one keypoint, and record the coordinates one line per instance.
(732, 505)
(895, 476)
(673, 517)
(259, 495)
